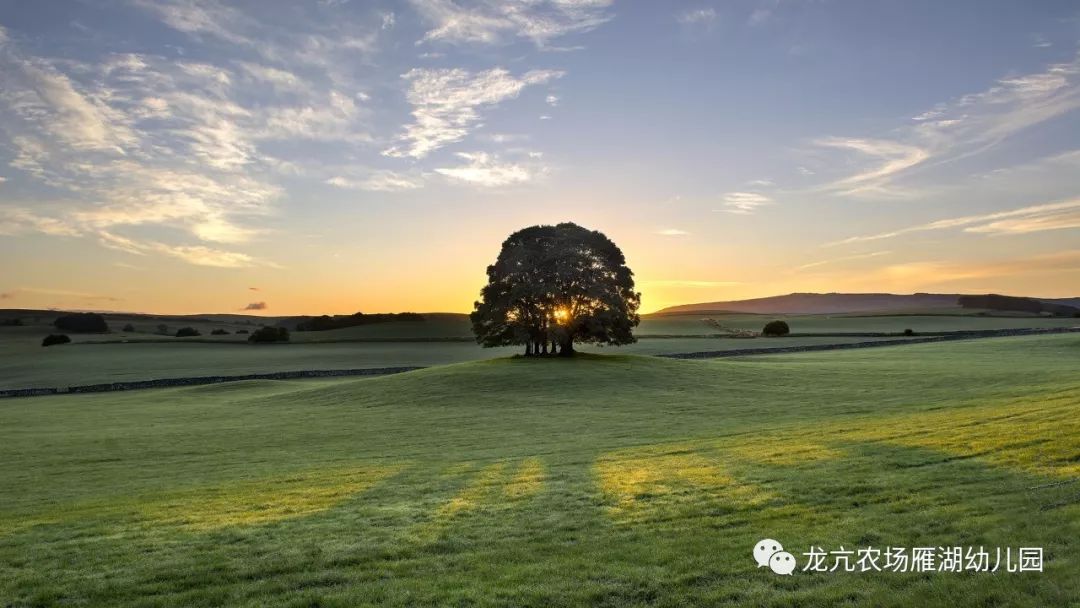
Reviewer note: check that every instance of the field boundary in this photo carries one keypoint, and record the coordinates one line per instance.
(959, 335)
(201, 380)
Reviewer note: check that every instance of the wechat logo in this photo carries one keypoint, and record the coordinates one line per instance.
(769, 552)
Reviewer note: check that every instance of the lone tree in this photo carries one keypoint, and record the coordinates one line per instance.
(555, 285)
(776, 329)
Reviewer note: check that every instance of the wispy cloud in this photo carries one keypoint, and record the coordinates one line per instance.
(672, 232)
(760, 15)
(140, 140)
(447, 102)
(483, 169)
(743, 203)
(963, 127)
(858, 256)
(696, 16)
(1034, 218)
(255, 306)
(61, 293)
(380, 181)
(893, 158)
(495, 21)
(22, 220)
(198, 255)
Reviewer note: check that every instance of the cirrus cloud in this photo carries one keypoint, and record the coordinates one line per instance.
(447, 102)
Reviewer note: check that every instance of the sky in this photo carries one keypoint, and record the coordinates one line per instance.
(334, 156)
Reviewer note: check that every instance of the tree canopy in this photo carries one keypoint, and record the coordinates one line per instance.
(776, 328)
(557, 285)
(89, 322)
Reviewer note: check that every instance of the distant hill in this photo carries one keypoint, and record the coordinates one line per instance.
(823, 303)
(838, 303)
(1074, 302)
(1029, 305)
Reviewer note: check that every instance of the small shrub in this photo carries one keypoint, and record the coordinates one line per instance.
(776, 328)
(241, 331)
(909, 332)
(187, 332)
(269, 334)
(52, 339)
(129, 328)
(219, 332)
(87, 322)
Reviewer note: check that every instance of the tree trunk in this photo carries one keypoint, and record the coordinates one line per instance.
(543, 347)
(554, 346)
(567, 349)
(528, 348)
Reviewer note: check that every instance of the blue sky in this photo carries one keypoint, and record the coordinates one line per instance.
(343, 155)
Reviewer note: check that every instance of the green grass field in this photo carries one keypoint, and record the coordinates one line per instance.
(443, 338)
(604, 480)
(27, 365)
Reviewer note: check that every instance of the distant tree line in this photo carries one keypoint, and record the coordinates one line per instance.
(269, 334)
(83, 322)
(1016, 304)
(326, 322)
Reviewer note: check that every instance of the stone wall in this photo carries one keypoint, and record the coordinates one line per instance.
(167, 382)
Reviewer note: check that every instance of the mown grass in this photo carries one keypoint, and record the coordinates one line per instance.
(606, 480)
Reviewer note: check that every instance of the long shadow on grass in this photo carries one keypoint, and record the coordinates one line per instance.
(882, 494)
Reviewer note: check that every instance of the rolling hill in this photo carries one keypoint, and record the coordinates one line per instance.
(836, 303)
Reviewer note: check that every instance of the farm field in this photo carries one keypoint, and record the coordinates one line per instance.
(25, 364)
(448, 326)
(605, 480)
(120, 356)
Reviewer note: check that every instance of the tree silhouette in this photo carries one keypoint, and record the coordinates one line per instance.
(552, 286)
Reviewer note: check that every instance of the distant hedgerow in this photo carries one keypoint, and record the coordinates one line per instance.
(269, 334)
(219, 332)
(187, 332)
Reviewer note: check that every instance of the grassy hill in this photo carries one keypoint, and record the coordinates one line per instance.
(605, 481)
